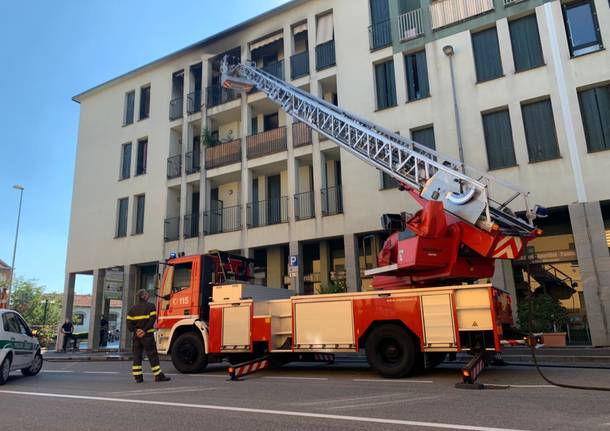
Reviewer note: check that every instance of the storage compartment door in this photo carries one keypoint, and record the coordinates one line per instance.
(236, 328)
(324, 325)
(439, 327)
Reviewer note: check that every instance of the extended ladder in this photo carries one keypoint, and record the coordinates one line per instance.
(465, 192)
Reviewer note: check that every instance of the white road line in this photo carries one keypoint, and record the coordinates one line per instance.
(206, 375)
(392, 381)
(56, 371)
(101, 372)
(263, 411)
(380, 403)
(521, 386)
(294, 378)
(346, 400)
(163, 391)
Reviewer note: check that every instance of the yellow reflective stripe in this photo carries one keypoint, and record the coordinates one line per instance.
(156, 373)
(150, 331)
(153, 313)
(144, 317)
(158, 367)
(137, 373)
(136, 367)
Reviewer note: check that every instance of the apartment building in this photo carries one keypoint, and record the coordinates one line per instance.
(169, 161)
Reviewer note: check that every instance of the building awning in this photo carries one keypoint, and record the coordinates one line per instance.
(300, 28)
(266, 41)
(325, 31)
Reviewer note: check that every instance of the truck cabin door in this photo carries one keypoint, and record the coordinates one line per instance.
(180, 291)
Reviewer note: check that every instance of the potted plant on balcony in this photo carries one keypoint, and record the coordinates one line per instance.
(207, 138)
(547, 316)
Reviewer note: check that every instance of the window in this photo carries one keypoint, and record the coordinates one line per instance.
(10, 323)
(130, 102)
(385, 84)
(417, 76)
(525, 40)
(499, 139)
(424, 136)
(487, 55)
(182, 277)
(271, 122)
(121, 226)
(78, 319)
(142, 153)
(581, 27)
(540, 135)
(139, 203)
(388, 182)
(595, 111)
(144, 102)
(125, 161)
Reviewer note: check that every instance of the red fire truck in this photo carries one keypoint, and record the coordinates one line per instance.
(426, 301)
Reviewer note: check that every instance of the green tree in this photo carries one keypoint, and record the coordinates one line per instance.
(335, 286)
(547, 315)
(28, 298)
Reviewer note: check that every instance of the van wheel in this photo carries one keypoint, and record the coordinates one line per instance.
(188, 353)
(35, 368)
(5, 370)
(392, 351)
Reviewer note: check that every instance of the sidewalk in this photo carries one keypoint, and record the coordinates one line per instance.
(84, 356)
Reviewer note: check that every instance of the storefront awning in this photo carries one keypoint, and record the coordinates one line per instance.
(266, 41)
(300, 28)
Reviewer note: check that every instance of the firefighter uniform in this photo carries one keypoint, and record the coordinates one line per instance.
(143, 316)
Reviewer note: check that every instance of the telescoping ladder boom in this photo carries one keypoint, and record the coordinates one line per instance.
(464, 191)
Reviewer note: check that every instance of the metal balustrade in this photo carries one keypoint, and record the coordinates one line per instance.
(221, 219)
(445, 12)
(268, 212)
(410, 25)
(223, 154)
(332, 201)
(174, 166)
(304, 207)
(171, 231)
(301, 135)
(299, 65)
(325, 55)
(193, 102)
(264, 143)
(191, 226)
(380, 34)
(192, 162)
(175, 108)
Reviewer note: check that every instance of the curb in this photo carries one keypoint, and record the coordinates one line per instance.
(108, 358)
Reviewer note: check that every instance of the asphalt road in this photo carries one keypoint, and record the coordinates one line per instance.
(102, 396)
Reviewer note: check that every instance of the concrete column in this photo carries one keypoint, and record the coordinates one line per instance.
(67, 307)
(594, 261)
(130, 286)
(95, 313)
(246, 181)
(297, 284)
(274, 268)
(324, 263)
(504, 278)
(352, 263)
(288, 49)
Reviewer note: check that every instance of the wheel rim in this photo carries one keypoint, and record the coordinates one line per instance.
(36, 364)
(390, 351)
(6, 369)
(187, 352)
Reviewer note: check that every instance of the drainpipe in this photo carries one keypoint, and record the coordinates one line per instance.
(448, 50)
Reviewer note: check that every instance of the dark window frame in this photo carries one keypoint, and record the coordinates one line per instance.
(487, 137)
(144, 111)
(141, 156)
(129, 108)
(139, 208)
(388, 96)
(419, 93)
(125, 168)
(121, 229)
(564, 9)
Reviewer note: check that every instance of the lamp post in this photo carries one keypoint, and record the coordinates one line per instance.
(10, 280)
(449, 52)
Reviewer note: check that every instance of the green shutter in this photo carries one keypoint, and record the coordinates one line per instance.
(540, 135)
(417, 76)
(425, 137)
(595, 111)
(380, 11)
(499, 140)
(487, 54)
(525, 40)
(385, 83)
(390, 83)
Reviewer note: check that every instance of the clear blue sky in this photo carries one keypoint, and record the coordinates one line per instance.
(51, 51)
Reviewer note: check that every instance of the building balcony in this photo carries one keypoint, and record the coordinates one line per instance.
(301, 135)
(380, 35)
(192, 162)
(175, 108)
(171, 231)
(191, 226)
(269, 142)
(410, 25)
(325, 55)
(332, 201)
(276, 69)
(269, 212)
(446, 12)
(304, 207)
(222, 220)
(193, 102)
(299, 65)
(174, 166)
(223, 154)
(218, 95)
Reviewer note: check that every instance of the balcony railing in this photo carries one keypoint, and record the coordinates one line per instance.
(221, 220)
(276, 69)
(192, 161)
(410, 25)
(301, 135)
(332, 201)
(380, 34)
(325, 55)
(223, 154)
(171, 231)
(269, 142)
(269, 212)
(509, 2)
(174, 166)
(217, 95)
(445, 12)
(191, 226)
(193, 102)
(175, 108)
(299, 65)
(304, 206)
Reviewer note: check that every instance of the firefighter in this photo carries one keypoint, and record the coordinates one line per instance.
(141, 321)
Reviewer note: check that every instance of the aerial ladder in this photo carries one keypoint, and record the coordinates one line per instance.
(466, 220)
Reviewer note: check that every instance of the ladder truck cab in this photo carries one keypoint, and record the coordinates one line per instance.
(425, 302)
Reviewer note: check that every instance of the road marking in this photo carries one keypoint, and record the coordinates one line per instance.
(163, 391)
(101, 372)
(263, 411)
(224, 376)
(520, 386)
(56, 371)
(295, 378)
(380, 403)
(344, 400)
(392, 381)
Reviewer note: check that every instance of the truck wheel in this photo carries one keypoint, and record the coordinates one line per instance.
(435, 359)
(5, 369)
(391, 351)
(35, 367)
(188, 353)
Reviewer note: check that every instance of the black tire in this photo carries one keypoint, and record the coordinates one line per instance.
(392, 351)
(35, 367)
(435, 359)
(5, 369)
(188, 353)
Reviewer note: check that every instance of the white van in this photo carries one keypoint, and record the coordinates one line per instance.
(19, 349)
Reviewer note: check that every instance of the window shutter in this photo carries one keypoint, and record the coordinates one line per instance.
(540, 135)
(499, 140)
(422, 74)
(525, 40)
(380, 86)
(425, 137)
(390, 83)
(595, 111)
(417, 76)
(487, 54)
(380, 11)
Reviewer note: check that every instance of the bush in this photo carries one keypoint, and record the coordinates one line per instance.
(337, 286)
(548, 315)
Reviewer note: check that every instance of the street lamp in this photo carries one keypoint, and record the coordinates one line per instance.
(10, 280)
(449, 52)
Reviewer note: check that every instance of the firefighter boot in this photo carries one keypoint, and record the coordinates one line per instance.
(139, 379)
(162, 378)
